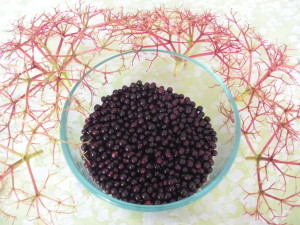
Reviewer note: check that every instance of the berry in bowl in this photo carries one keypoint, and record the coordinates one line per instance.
(153, 135)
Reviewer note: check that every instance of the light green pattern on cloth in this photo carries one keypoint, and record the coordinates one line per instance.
(275, 20)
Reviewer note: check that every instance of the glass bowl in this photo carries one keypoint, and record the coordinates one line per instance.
(186, 76)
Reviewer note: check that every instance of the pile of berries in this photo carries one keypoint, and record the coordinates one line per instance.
(147, 145)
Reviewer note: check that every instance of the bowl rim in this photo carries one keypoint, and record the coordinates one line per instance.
(149, 208)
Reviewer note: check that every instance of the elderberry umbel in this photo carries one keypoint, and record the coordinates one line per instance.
(147, 145)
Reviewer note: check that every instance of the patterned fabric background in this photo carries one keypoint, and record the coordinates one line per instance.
(278, 21)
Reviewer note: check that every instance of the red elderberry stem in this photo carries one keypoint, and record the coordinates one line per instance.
(269, 141)
(278, 161)
(32, 177)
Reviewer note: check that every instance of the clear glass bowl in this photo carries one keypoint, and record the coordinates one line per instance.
(186, 76)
